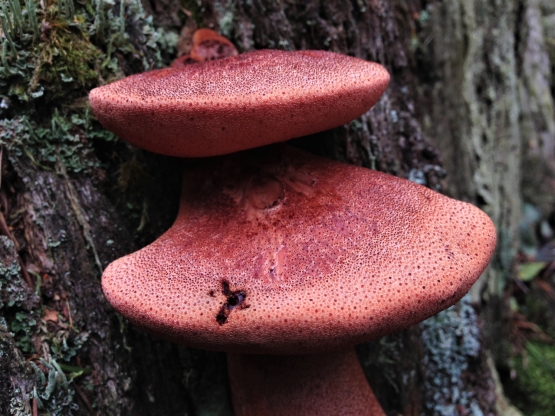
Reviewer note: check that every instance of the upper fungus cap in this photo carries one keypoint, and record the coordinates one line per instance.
(299, 254)
(257, 98)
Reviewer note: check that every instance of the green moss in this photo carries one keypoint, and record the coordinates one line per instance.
(534, 386)
(46, 72)
(69, 64)
(76, 52)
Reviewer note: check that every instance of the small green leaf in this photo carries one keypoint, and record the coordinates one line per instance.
(70, 369)
(528, 271)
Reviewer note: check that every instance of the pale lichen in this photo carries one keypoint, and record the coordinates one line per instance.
(451, 340)
(12, 288)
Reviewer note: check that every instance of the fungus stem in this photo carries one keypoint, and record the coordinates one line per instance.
(318, 384)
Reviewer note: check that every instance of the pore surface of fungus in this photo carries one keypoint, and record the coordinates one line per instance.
(275, 251)
(303, 385)
(286, 253)
(236, 103)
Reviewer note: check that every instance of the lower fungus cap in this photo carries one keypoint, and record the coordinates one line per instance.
(293, 253)
(242, 102)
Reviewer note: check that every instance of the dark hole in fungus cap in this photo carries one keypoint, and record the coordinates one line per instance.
(234, 299)
(241, 102)
(315, 268)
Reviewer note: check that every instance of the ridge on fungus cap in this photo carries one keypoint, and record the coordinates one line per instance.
(299, 254)
(241, 102)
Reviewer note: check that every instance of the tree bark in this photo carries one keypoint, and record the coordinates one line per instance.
(461, 102)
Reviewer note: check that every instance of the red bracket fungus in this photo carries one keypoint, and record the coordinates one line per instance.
(251, 100)
(276, 252)
(209, 46)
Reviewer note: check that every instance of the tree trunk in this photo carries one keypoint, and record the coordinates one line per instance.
(73, 198)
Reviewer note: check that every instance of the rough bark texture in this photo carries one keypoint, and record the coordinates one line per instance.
(486, 101)
(460, 88)
(470, 108)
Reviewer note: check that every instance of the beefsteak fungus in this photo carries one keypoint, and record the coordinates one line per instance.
(276, 252)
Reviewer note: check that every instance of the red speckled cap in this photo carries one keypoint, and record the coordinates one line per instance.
(299, 254)
(242, 102)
